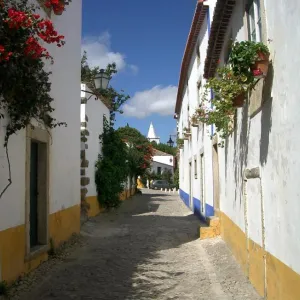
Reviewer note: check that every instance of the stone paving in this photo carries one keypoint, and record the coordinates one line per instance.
(148, 249)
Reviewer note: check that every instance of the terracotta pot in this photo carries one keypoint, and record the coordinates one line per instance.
(238, 101)
(262, 64)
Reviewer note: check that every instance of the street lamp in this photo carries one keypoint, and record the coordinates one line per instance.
(170, 142)
(101, 81)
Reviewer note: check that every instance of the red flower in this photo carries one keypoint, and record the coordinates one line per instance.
(257, 72)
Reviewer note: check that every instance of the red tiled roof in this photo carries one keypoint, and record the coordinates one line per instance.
(160, 153)
(198, 19)
(222, 16)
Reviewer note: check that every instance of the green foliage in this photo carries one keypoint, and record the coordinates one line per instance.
(111, 168)
(180, 142)
(176, 178)
(220, 110)
(164, 148)
(114, 99)
(139, 151)
(243, 55)
(24, 83)
(167, 175)
(3, 288)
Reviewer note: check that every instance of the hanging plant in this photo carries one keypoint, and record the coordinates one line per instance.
(180, 143)
(58, 6)
(229, 92)
(24, 83)
(249, 59)
(194, 120)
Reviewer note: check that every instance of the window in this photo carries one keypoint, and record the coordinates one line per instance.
(198, 56)
(158, 170)
(195, 168)
(254, 21)
(199, 89)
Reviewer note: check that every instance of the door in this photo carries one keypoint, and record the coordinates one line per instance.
(190, 186)
(216, 184)
(34, 194)
(202, 184)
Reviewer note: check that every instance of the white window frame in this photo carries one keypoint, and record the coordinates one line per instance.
(254, 21)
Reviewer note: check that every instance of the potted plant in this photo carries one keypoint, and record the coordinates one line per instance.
(229, 87)
(180, 143)
(194, 120)
(186, 132)
(249, 59)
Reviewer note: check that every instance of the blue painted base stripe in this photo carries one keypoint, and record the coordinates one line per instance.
(209, 210)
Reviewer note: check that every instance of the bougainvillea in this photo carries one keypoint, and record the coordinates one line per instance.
(24, 83)
(58, 6)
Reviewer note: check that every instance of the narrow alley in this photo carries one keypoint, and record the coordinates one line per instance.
(148, 249)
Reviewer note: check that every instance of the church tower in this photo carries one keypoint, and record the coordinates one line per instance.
(151, 135)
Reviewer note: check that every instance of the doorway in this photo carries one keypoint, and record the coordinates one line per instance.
(34, 194)
(190, 185)
(202, 184)
(37, 167)
(216, 179)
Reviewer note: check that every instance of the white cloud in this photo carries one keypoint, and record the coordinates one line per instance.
(158, 100)
(134, 69)
(100, 54)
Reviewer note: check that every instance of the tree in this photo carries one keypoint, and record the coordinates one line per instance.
(140, 151)
(111, 168)
(113, 98)
(167, 175)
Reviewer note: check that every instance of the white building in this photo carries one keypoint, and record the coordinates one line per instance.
(28, 220)
(162, 162)
(251, 182)
(93, 112)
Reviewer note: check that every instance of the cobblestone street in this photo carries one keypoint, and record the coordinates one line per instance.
(148, 249)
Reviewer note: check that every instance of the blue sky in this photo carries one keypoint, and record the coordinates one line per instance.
(146, 39)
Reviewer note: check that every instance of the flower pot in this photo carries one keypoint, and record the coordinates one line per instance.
(238, 101)
(261, 65)
(194, 124)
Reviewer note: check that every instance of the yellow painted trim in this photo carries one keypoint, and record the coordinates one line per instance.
(95, 208)
(282, 283)
(62, 225)
(235, 238)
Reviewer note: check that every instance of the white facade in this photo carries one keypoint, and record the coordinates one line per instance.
(196, 151)
(63, 177)
(162, 162)
(256, 173)
(93, 114)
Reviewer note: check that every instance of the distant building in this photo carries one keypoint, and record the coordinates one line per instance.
(152, 137)
(162, 162)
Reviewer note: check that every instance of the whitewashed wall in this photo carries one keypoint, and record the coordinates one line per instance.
(270, 141)
(65, 147)
(95, 111)
(200, 141)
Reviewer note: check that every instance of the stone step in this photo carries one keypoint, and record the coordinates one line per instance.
(211, 229)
